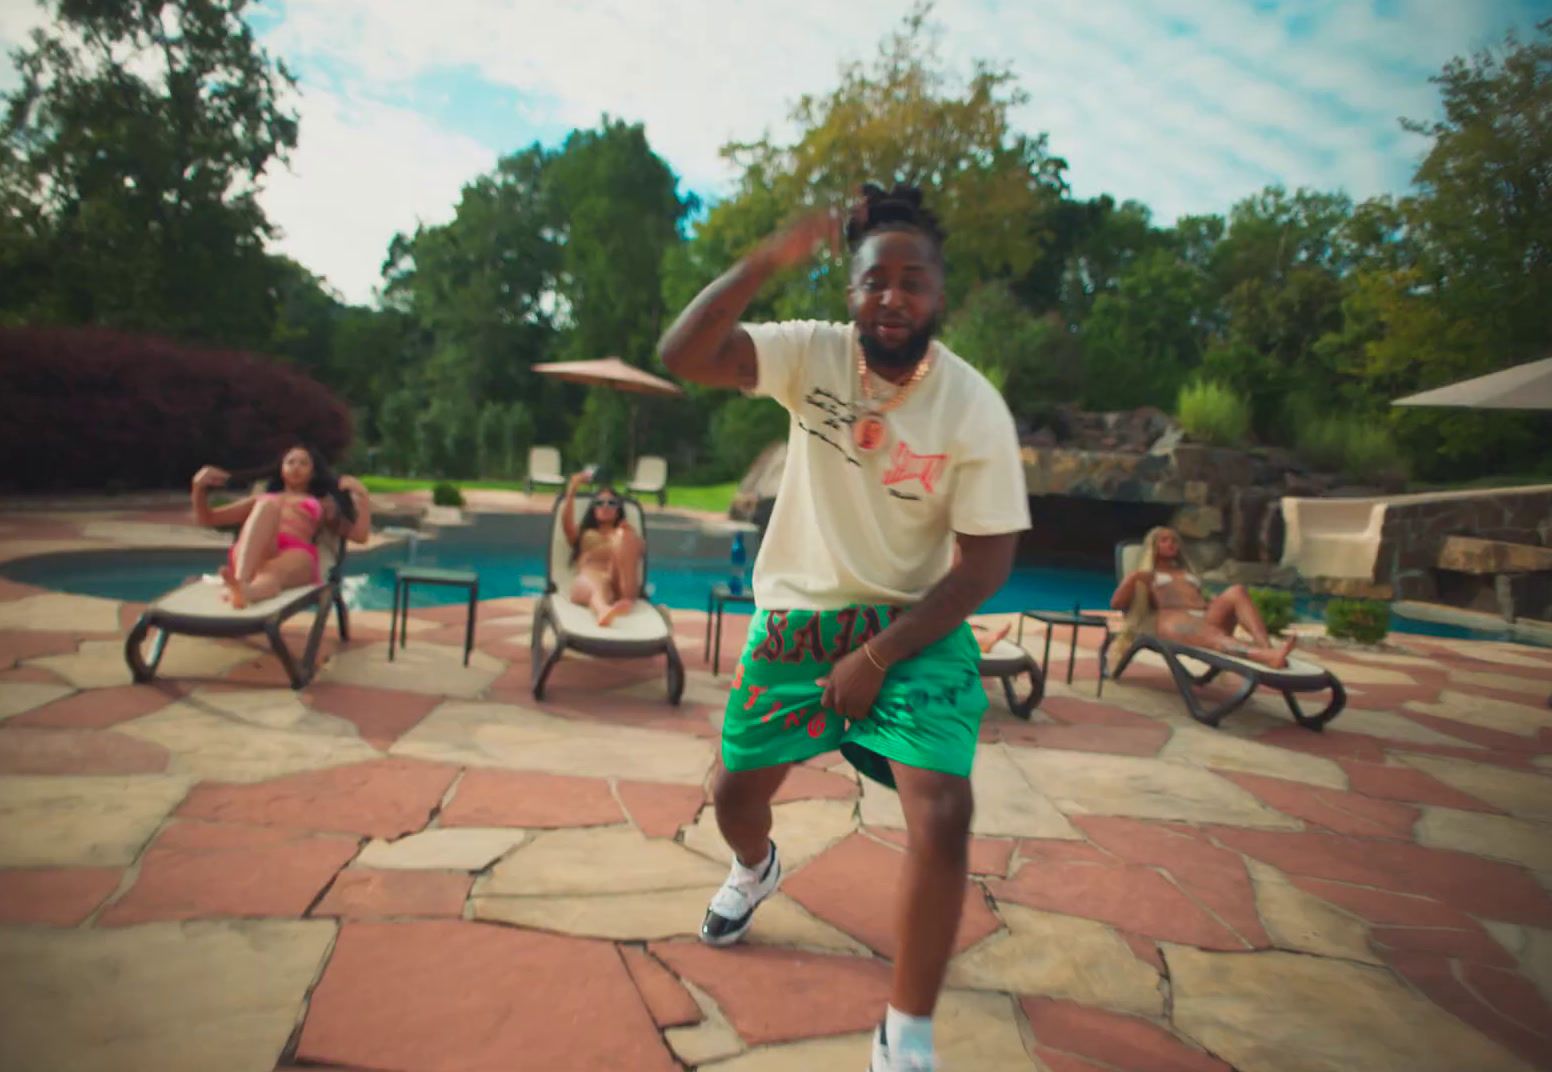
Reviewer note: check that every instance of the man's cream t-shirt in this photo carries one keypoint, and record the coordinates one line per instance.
(878, 527)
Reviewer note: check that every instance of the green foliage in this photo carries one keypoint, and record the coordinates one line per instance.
(1141, 343)
(137, 136)
(446, 494)
(903, 116)
(1365, 620)
(1351, 444)
(1275, 606)
(503, 435)
(1030, 359)
(740, 430)
(131, 155)
(1212, 413)
(711, 498)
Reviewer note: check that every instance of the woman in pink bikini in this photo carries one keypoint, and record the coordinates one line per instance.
(275, 549)
(1164, 597)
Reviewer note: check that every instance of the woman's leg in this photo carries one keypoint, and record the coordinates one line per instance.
(288, 569)
(625, 572)
(988, 637)
(1234, 607)
(591, 590)
(256, 543)
(291, 568)
(1188, 629)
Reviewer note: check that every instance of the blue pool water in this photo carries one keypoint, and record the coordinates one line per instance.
(683, 583)
(142, 576)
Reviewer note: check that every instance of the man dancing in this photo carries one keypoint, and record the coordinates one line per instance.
(898, 452)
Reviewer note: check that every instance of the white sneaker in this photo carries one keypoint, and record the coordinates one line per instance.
(883, 1060)
(732, 907)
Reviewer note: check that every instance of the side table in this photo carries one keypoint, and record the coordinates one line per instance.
(405, 576)
(1076, 619)
(716, 600)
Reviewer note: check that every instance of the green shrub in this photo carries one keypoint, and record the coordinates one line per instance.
(1364, 620)
(1212, 413)
(1357, 446)
(1276, 607)
(446, 494)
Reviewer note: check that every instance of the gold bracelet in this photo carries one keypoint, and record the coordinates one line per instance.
(867, 649)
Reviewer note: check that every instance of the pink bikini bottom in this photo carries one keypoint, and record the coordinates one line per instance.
(284, 541)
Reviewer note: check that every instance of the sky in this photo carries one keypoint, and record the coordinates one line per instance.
(1185, 105)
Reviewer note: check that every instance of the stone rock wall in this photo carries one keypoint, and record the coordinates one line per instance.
(1414, 537)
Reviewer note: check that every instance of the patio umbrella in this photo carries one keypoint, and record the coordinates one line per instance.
(616, 375)
(1527, 386)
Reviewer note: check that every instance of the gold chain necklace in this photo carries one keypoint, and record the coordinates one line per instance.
(869, 431)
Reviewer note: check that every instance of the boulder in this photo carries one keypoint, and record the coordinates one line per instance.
(1469, 554)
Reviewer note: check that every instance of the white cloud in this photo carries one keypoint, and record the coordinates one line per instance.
(361, 171)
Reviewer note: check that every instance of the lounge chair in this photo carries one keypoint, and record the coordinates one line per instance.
(651, 478)
(1298, 676)
(1008, 661)
(198, 609)
(642, 632)
(544, 468)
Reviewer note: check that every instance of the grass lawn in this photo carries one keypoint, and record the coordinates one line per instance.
(714, 498)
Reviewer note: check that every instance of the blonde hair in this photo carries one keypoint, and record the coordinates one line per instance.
(1140, 615)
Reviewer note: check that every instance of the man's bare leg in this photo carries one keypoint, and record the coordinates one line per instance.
(742, 802)
(938, 808)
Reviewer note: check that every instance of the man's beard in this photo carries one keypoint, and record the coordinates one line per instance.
(904, 356)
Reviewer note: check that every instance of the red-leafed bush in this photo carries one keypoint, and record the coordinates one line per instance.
(85, 408)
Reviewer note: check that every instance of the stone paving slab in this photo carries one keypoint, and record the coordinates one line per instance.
(144, 998)
(517, 738)
(1375, 896)
(17, 698)
(468, 997)
(82, 821)
(1289, 1013)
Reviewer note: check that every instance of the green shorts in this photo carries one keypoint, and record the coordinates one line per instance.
(927, 715)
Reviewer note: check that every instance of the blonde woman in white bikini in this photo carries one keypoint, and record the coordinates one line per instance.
(1164, 597)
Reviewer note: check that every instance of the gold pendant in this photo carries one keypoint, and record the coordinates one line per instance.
(869, 433)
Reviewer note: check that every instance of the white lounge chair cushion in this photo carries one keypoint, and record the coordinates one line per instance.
(1004, 653)
(641, 624)
(203, 599)
(1295, 667)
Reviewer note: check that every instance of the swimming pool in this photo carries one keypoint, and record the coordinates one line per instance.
(507, 568)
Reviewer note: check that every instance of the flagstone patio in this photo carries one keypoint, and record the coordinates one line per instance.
(413, 867)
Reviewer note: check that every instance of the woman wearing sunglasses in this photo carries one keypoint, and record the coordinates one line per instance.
(605, 551)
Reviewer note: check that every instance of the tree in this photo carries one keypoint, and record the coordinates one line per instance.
(1471, 292)
(615, 205)
(1141, 343)
(134, 149)
(481, 287)
(904, 118)
(1032, 360)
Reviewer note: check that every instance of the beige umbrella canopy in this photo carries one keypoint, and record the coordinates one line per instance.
(1527, 386)
(609, 372)
(616, 375)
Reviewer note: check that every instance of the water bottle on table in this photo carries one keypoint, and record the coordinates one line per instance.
(738, 557)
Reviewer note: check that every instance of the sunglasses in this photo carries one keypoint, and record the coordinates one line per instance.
(606, 502)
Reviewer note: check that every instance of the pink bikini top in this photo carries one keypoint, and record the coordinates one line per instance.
(308, 503)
